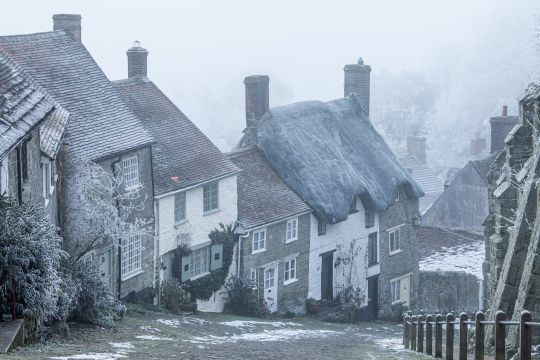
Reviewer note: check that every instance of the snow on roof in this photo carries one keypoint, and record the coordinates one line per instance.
(328, 153)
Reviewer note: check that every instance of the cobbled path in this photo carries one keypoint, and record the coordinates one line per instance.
(144, 334)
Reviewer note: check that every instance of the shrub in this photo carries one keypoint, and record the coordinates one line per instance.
(350, 301)
(242, 299)
(173, 295)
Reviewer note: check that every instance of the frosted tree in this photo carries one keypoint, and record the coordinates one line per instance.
(97, 210)
(30, 255)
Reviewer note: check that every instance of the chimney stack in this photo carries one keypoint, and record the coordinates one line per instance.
(137, 60)
(70, 23)
(500, 127)
(478, 145)
(357, 81)
(257, 98)
(416, 146)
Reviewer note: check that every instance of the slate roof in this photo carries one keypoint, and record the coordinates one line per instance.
(263, 197)
(328, 153)
(25, 105)
(433, 239)
(483, 165)
(182, 155)
(425, 178)
(100, 125)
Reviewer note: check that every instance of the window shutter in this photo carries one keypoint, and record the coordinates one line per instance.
(186, 271)
(216, 261)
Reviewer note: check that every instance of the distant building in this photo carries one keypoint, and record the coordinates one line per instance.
(194, 183)
(352, 208)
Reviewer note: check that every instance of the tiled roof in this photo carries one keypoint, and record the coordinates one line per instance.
(25, 105)
(426, 178)
(100, 123)
(432, 239)
(263, 197)
(329, 153)
(182, 155)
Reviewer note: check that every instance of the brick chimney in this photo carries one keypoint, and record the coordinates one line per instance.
(416, 146)
(137, 60)
(357, 81)
(70, 23)
(478, 145)
(257, 98)
(500, 127)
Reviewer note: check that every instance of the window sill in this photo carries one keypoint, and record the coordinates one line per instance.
(292, 281)
(397, 302)
(199, 276)
(291, 240)
(395, 252)
(373, 264)
(180, 223)
(210, 212)
(258, 251)
(46, 202)
(131, 274)
(51, 190)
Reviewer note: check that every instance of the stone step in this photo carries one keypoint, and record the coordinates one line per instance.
(11, 335)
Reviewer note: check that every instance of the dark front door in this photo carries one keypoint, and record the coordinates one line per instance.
(373, 298)
(327, 275)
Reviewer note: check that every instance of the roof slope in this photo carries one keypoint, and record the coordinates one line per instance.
(425, 178)
(483, 165)
(100, 123)
(329, 153)
(182, 155)
(263, 197)
(25, 105)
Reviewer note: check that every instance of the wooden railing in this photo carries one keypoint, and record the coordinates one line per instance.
(416, 329)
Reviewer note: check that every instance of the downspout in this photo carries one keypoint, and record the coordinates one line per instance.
(114, 166)
(157, 269)
(239, 255)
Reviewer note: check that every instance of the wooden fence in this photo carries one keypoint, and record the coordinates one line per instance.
(417, 329)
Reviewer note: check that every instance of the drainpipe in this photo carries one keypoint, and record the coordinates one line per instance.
(157, 270)
(239, 256)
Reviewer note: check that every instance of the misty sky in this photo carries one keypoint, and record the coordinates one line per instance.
(200, 50)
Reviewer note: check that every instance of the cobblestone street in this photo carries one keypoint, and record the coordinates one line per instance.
(155, 335)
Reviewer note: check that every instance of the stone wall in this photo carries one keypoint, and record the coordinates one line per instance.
(441, 292)
(291, 297)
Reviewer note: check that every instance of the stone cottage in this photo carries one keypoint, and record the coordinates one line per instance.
(364, 204)
(512, 264)
(103, 130)
(32, 128)
(194, 183)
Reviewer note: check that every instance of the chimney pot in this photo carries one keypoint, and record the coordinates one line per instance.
(70, 23)
(357, 81)
(137, 60)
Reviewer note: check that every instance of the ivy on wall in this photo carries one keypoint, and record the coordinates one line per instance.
(203, 288)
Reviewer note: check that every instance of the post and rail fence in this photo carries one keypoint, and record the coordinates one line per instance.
(418, 332)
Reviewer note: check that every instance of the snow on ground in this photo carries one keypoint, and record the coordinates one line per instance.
(186, 320)
(123, 345)
(252, 324)
(267, 335)
(90, 356)
(153, 337)
(465, 257)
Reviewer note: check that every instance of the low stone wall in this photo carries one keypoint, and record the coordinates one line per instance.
(446, 291)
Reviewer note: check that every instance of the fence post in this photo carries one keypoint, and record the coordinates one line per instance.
(500, 346)
(450, 318)
(420, 343)
(413, 333)
(479, 336)
(429, 335)
(406, 320)
(525, 336)
(438, 336)
(463, 336)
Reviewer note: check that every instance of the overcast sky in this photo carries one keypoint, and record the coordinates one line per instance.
(200, 50)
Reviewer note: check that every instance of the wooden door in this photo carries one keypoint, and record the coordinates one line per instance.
(373, 297)
(327, 276)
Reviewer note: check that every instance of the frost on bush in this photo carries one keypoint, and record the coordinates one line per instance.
(86, 298)
(30, 255)
(351, 301)
(174, 295)
(242, 298)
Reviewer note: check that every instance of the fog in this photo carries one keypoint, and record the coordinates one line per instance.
(474, 56)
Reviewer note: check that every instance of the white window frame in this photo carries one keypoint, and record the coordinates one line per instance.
(256, 241)
(267, 278)
(291, 230)
(378, 247)
(88, 259)
(131, 256)
(391, 234)
(177, 196)
(253, 277)
(395, 290)
(208, 190)
(130, 172)
(290, 271)
(202, 256)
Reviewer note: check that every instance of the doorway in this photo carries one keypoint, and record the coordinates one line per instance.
(327, 276)
(373, 298)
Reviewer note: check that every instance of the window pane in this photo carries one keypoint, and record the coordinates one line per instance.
(179, 207)
(210, 196)
(131, 172)
(131, 254)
